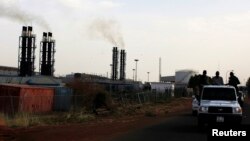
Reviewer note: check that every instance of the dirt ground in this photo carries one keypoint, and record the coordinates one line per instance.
(100, 129)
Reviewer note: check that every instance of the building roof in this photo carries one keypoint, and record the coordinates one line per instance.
(6, 68)
(168, 78)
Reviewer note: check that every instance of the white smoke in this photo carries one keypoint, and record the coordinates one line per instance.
(15, 13)
(108, 30)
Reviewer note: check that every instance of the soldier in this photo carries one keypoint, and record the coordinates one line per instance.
(204, 80)
(217, 80)
(234, 81)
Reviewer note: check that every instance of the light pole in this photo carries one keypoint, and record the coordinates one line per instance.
(136, 60)
(227, 73)
(133, 74)
(148, 76)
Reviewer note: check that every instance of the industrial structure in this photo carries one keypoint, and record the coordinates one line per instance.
(26, 52)
(8, 71)
(180, 81)
(25, 72)
(122, 65)
(115, 64)
(182, 76)
(47, 55)
(115, 57)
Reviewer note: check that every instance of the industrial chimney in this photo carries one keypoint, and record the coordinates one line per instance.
(115, 64)
(122, 65)
(47, 54)
(26, 52)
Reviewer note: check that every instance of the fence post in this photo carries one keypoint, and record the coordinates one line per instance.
(139, 98)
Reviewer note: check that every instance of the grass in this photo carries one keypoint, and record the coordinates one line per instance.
(20, 120)
(82, 115)
(27, 120)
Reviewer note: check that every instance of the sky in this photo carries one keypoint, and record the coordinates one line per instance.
(187, 34)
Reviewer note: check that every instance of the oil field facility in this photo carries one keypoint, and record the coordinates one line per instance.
(22, 89)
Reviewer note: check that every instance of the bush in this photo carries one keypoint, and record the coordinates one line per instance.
(91, 96)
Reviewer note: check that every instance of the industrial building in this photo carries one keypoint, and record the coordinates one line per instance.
(181, 77)
(180, 81)
(8, 71)
(23, 89)
(162, 87)
(167, 79)
(109, 84)
(25, 72)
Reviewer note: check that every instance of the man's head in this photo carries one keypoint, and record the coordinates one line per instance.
(217, 73)
(204, 72)
(231, 74)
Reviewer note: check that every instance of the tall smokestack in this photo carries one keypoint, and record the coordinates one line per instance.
(47, 53)
(115, 64)
(43, 53)
(26, 53)
(122, 65)
(22, 51)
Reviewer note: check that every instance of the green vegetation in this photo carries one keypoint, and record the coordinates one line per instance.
(26, 120)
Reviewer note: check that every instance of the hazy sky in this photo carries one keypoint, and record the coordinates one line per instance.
(186, 34)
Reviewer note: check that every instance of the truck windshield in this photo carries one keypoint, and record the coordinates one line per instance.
(218, 94)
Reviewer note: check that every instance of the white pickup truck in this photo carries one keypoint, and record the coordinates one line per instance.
(219, 104)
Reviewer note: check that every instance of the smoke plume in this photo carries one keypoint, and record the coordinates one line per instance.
(14, 13)
(108, 30)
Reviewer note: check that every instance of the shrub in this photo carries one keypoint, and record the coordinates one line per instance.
(91, 95)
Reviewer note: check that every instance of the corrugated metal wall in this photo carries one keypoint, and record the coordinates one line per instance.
(62, 99)
(24, 98)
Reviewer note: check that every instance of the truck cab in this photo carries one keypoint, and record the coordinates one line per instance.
(219, 104)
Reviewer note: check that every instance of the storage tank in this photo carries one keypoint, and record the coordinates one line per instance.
(183, 76)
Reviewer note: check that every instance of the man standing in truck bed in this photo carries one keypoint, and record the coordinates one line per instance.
(204, 80)
(234, 81)
(217, 80)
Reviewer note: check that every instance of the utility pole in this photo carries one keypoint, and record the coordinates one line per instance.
(133, 74)
(160, 69)
(148, 76)
(136, 60)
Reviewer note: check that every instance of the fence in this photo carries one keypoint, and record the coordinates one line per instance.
(43, 104)
(141, 97)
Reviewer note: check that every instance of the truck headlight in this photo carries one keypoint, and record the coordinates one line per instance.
(203, 109)
(237, 110)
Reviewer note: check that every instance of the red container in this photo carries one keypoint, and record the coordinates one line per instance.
(24, 98)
